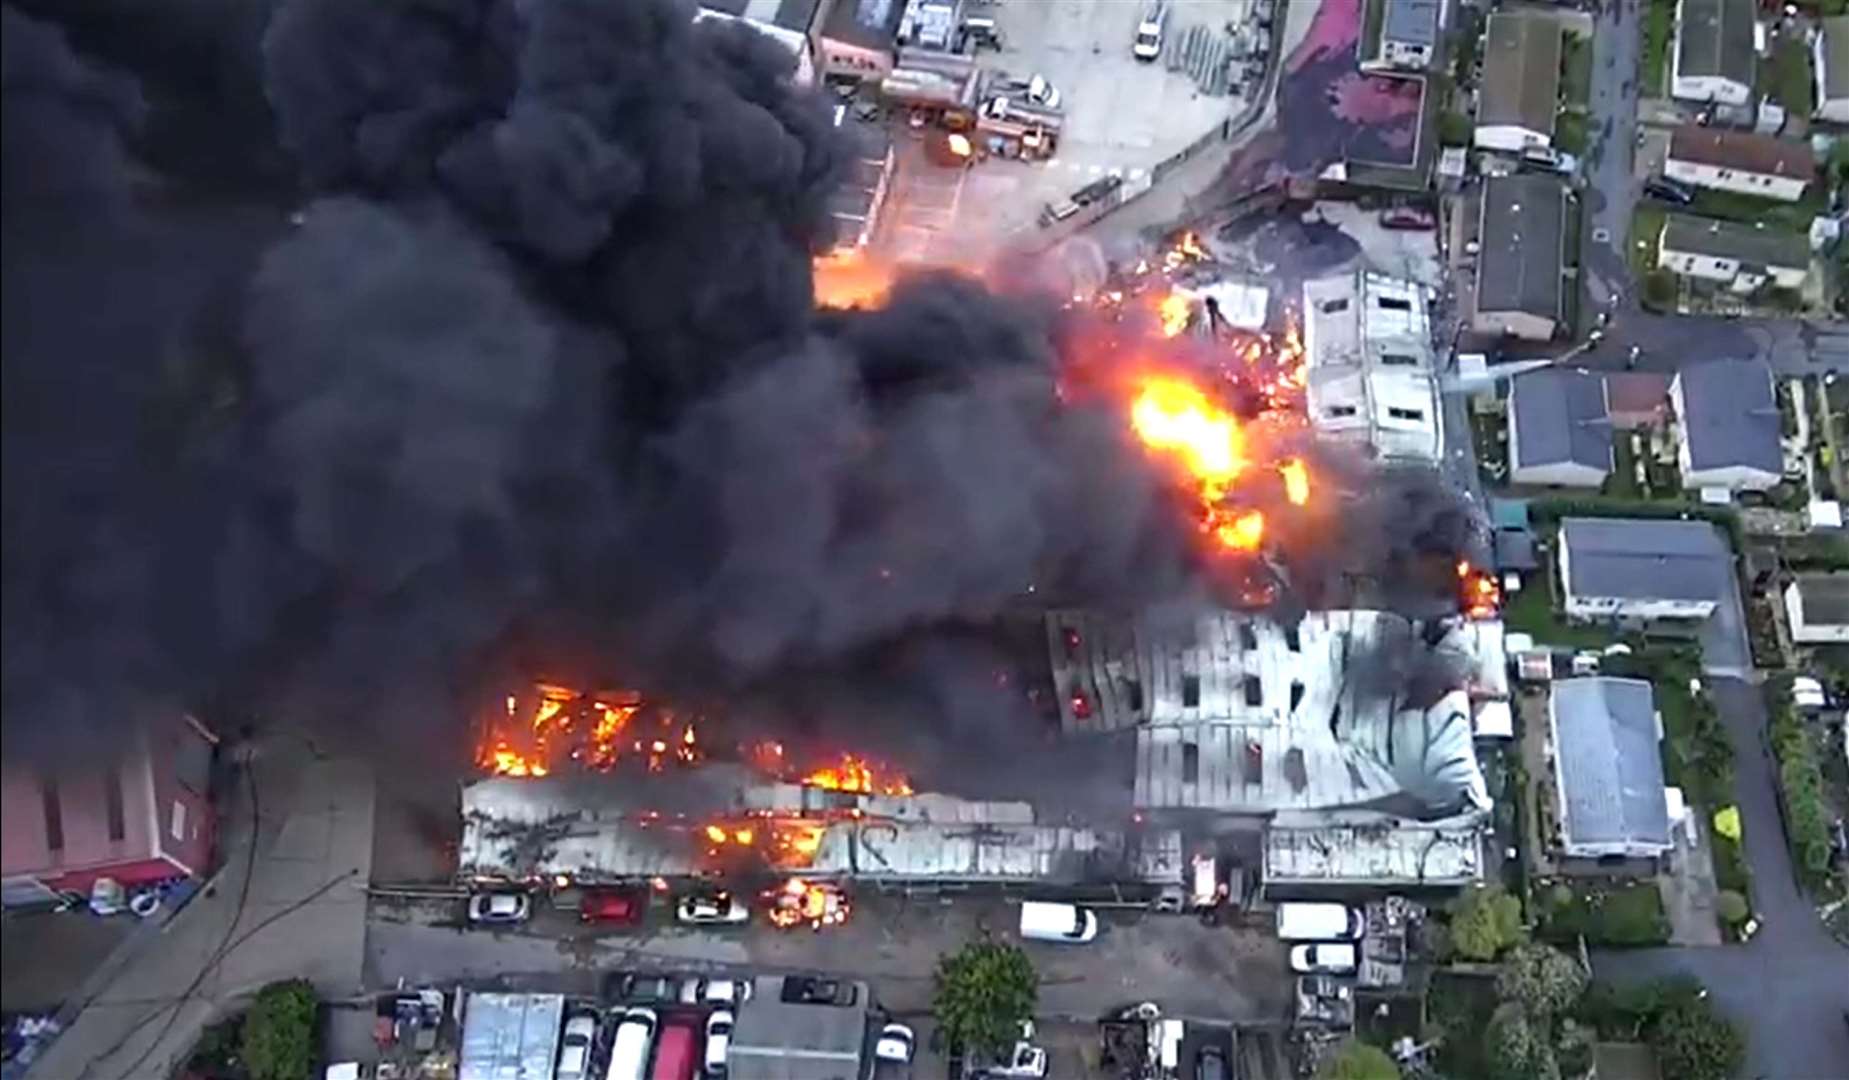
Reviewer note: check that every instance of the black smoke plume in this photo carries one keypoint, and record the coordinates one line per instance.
(529, 370)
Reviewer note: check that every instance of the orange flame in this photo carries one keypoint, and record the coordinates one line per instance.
(799, 901)
(1176, 311)
(1243, 532)
(1296, 481)
(1479, 594)
(1173, 415)
(851, 279)
(857, 774)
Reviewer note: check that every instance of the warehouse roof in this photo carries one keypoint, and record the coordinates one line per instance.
(1523, 229)
(1715, 39)
(870, 24)
(1743, 150)
(1730, 416)
(1606, 758)
(1373, 852)
(1560, 417)
(1521, 72)
(1646, 558)
(1748, 244)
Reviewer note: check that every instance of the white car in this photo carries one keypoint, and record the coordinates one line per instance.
(1042, 93)
(895, 1044)
(711, 908)
(718, 1041)
(691, 991)
(1025, 1061)
(727, 991)
(500, 907)
(575, 1048)
(1323, 959)
(1148, 42)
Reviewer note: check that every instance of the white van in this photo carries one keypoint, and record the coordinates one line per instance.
(1067, 923)
(1320, 922)
(1148, 42)
(629, 1052)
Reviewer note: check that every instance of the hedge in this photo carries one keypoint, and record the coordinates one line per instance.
(1800, 779)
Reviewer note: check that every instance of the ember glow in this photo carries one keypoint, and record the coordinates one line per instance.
(1478, 593)
(553, 727)
(857, 774)
(1296, 481)
(1176, 311)
(799, 901)
(852, 279)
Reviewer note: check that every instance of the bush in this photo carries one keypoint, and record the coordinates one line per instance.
(1358, 1061)
(1484, 922)
(1516, 1047)
(1544, 980)
(1732, 907)
(279, 1032)
(983, 992)
(1800, 778)
(1694, 1042)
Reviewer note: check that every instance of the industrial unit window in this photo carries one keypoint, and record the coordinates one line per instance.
(1190, 691)
(1333, 307)
(1248, 638)
(1190, 763)
(112, 798)
(1133, 692)
(1341, 410)
(1405, 414)
(1296, 695)
(1394, 359)
(1392, 303)
(54, 815)
(1255, 693)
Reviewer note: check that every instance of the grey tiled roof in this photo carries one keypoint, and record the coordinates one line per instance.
(1729, 416)
(1524, 217)
(1773, 247)
(1560, 417)
(1825, 598)
(1716, 39)
(1610, 770)
(1644, 558)
(1521, 72)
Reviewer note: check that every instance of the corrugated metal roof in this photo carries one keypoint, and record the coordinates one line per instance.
(1559, 418)
(1715, 39)
(510, 1036)
(1730, 416)
(1383, 852)
(1644, 558)
(1607, 762)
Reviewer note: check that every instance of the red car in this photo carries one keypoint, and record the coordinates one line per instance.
(624, 906)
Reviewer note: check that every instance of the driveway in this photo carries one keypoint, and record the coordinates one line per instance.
(1790, 984)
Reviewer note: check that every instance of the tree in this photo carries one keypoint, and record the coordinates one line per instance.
(279, 1032)
(1516, 1047)
(983, 993)
(1484, 922)
(1544, 980)
(1694, 1042)
(1731, 907)
(1358, 1061)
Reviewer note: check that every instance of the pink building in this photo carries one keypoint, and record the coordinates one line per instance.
(142, 815)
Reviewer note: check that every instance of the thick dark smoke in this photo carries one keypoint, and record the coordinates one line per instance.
(533, 372)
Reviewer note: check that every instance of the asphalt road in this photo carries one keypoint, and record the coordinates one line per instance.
(1790, 984)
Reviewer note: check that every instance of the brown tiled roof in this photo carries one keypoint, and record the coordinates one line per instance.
(1637, 392)
(1743, 150)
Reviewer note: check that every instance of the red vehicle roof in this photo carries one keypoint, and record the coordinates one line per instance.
(674, 1052)
(612, 905)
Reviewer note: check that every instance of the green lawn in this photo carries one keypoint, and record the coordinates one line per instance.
(1623, 480)
(1576, 71)
(1646, 232)
(1621, 915)
(1751, 210)
(1531, 611)
(1659, 23)
(1787, 78)
(1570, 133)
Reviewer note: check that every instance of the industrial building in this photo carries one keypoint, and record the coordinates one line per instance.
(1367, 342)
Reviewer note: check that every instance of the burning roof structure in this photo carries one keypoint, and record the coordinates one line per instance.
(1241, 713)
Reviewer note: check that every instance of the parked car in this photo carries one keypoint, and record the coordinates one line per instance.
(614, 905)
(675, 1057)
(636, 988)
(575, 1048)
(705, 909)
(896, 1043)
(1065, 923)
(1408, 218)
(500, 907)
(691, 990)
(1147, 44)
(1024, 1061)
(727, 991)
(814, 990)
(635, 1035)
(1301, 921)
(1323, 958)
(1668, 190)
(718, 1042)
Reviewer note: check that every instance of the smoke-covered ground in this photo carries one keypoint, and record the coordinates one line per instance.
(490, 344)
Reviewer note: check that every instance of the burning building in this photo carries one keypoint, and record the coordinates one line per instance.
(1368, 338)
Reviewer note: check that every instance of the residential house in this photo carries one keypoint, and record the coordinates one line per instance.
(1608, 769)
(1817, 607)
(138, 811)
(1641, 569)
(1637, 399)
(1740, 161)
(1521, 83)
(1559, 429)
(785, 22)
(1829, 64)
(1521, 262)
(1713, 56)
(1742, 257)
(1367, 341)
(1409, 34)
(1729, 421)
